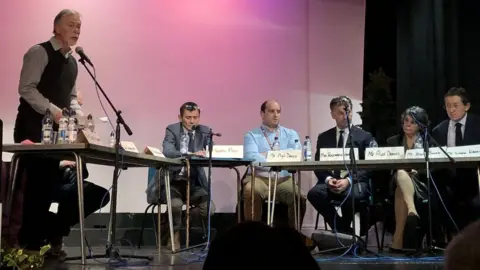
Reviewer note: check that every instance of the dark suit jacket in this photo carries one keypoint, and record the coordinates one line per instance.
(328, 139)
(171, 149)
(468, 177)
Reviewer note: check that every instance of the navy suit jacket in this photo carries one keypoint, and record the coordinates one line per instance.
(360, 139)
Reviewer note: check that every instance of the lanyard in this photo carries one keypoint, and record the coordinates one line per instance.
(268, 140)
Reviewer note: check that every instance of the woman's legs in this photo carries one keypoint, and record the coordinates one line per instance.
(405, 184)
(401, 214)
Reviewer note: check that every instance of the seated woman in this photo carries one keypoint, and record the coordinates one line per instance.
(409, 185)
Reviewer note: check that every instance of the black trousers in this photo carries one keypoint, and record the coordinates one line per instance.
(321, 197)
(47, 183)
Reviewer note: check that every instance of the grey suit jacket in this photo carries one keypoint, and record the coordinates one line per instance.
(171, 149)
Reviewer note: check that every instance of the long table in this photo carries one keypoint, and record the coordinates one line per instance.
(88, 153)
(298, 167)
(228, 163)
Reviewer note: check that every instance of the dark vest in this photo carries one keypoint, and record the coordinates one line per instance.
(56, 85)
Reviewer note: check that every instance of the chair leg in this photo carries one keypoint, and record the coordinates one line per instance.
(316, 221)
(155, 226)
(383, 231)
(140, 238)
(376, 237)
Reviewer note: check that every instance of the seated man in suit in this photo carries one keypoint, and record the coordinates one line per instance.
(189, 118)
(335, 185)
(257, 143)
(459, 187)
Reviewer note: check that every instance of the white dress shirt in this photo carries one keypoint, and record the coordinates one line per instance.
(451, 130)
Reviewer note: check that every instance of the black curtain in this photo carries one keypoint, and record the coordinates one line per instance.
(437, 48)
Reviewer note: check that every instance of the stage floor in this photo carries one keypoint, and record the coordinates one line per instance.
(193, 261)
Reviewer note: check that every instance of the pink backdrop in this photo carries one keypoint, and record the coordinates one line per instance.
(226, 55)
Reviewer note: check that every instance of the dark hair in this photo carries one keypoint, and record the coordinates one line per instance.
(460, 92)
(462, 251)
(337, 101)
(263, 107)
(189, 106)
(419, 114)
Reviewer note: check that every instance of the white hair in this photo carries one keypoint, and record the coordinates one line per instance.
(61, 14)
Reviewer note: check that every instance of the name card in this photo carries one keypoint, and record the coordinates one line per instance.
(337, 154)
(384, 153)
(149, 150)
(436, 152)
(284, 156)
(87, 136)
(464, 151)
(129, 146)
(226, 151)
(414, 153)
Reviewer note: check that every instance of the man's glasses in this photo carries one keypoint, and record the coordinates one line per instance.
(452, 106)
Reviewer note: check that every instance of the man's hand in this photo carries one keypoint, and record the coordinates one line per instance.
(67, 163)
(342, 185)
(332, 182)
(200, 153)
(57, 117)
(27, 142)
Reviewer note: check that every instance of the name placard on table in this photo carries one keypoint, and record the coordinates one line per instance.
(464, 151)
(226, 151)
(384, 153)
(337, 154)
(284, 156)
(149, 150)
(129, 146)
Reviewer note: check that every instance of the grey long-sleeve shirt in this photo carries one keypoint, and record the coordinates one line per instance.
(34, 63)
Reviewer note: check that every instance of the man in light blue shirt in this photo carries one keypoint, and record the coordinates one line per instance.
(256, 144)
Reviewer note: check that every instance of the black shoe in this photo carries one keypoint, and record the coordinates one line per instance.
(411, 232)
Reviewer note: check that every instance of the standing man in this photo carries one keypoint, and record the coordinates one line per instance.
(256, 144)
(189, 118)
(460, 186)
(47, 81)
(335, 185)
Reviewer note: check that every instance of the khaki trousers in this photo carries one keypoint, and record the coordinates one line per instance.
(284, 195)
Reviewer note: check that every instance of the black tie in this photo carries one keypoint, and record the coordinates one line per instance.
(191, 143)
(458, 134)
(340, 139)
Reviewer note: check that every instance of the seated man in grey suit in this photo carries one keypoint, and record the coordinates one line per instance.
(196, 140)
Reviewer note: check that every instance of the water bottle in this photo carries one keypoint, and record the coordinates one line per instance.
(307, 149)
(90, 123)
(72, 129)
(62, 127)
(276, 145)
(47, 128)
(297, 146)
(112, 140)
(184, 144)
(418, 142)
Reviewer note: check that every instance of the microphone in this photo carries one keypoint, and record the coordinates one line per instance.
(346, 102)
(197, 127)
(79, 51)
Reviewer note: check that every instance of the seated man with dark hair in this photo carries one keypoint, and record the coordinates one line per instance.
(334, 185)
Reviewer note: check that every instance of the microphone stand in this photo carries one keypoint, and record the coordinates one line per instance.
(431, 249)
(112, 252)
(354, 176)
(210, 134)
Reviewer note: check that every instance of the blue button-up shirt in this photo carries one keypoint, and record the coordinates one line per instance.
(255, 144)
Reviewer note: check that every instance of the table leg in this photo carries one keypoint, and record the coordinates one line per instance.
(295, 217)
(169, 208)
(12, 183)
(274, 195)
(252, 190)
(79, 165)
(299, 203)
(187, 233)
(239, 194)
(269, 200)
(159, 210)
